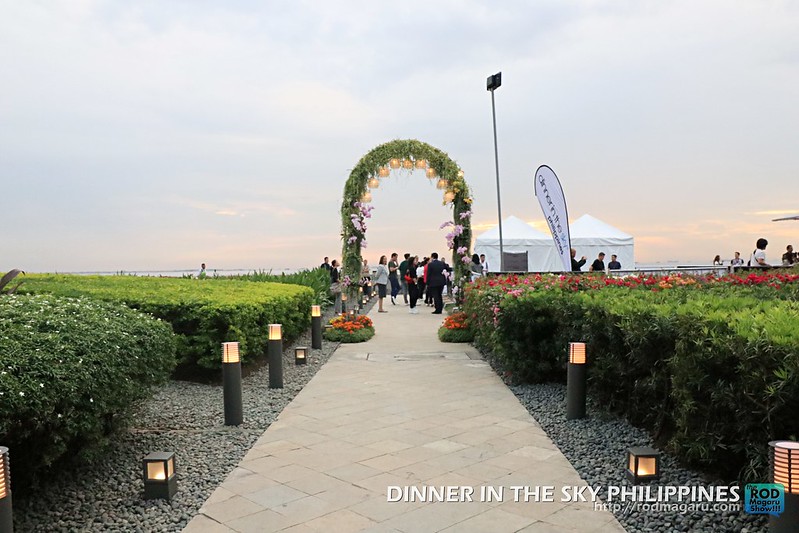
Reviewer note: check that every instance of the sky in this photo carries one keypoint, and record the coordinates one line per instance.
(157, 135)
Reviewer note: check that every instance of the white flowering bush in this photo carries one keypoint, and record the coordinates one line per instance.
(70, 372)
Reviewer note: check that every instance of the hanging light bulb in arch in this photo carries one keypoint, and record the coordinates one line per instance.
(367, 197)
(421, 164)
(431, 173)
(407, 164)
(394, 163)
(449, 196)
(383, 172)
(442, 184)
(373, 183)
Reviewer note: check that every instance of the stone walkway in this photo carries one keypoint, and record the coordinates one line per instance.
(402, 410)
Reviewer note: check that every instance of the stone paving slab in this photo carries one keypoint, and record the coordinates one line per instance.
(402, 410)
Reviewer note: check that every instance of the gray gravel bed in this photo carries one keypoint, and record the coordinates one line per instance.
(596, 446)
(187, 418)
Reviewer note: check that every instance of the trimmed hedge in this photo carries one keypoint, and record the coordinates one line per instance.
(203, 313)
(317, 279)
(70, 372)
(704, 368)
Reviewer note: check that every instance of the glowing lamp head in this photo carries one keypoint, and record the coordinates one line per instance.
(383, 172)
(421, 164)
(643, 464)
(343, 296)
(230, 352)
(784, 467)
(159, 475)
(407, 164)
(442, 184)
(449, 196)
(275, 332)
(431, 173)
(577, 353)
(316, 310)
(5, 473)
(300, 355)
(373, 183)
(394, 163)
(367, 197)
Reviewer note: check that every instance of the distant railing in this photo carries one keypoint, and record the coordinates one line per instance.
(700, 270)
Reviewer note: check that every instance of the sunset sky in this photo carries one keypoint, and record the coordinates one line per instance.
(158, 135)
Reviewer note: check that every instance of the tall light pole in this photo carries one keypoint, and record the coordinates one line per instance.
(492, 83)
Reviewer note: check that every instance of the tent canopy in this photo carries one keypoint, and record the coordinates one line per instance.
(589, 236)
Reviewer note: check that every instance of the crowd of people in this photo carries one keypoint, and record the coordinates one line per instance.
(758, 257)
(413, 279)
(597, 266)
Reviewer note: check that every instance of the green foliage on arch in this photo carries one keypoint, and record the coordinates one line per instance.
(357, 185)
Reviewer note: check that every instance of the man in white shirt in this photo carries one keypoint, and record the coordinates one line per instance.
(484, 263)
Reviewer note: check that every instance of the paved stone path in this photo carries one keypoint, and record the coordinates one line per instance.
(402, 410)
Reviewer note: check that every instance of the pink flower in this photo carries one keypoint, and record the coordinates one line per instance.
(445, 224)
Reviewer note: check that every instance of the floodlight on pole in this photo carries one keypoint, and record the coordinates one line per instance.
(493, 83)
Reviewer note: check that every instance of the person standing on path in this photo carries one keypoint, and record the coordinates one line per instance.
(335, 285)
(393, 266)
(403, 270)
(381, 279)
(421, 275)
(436, 281)
(410, 282)
(366, 279)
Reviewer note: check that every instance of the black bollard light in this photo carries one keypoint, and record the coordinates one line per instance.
(643, 464)
(316, 327)
(343, 302)
(784, 469)
(6, 508)
(160, 481)
(275, 356)
(231, 383)
(575, 382)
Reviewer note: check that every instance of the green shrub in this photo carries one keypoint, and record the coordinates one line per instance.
(704, 366)
(203, 313)
(455, 335)
(317, 279)
(70, 372)
(340, 335)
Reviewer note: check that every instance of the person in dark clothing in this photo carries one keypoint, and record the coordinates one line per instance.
(410, 281)
(614, 264)
(436, 280)
(576, 265)
(393, 267)
(599, 263)
(403, 269)
(326, 264)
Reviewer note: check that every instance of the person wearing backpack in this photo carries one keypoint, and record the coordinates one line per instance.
(758, 258)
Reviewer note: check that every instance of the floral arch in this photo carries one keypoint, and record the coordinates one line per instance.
(408, 154)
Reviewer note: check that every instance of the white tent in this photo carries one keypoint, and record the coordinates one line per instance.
(590, 236)
(518, 238)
